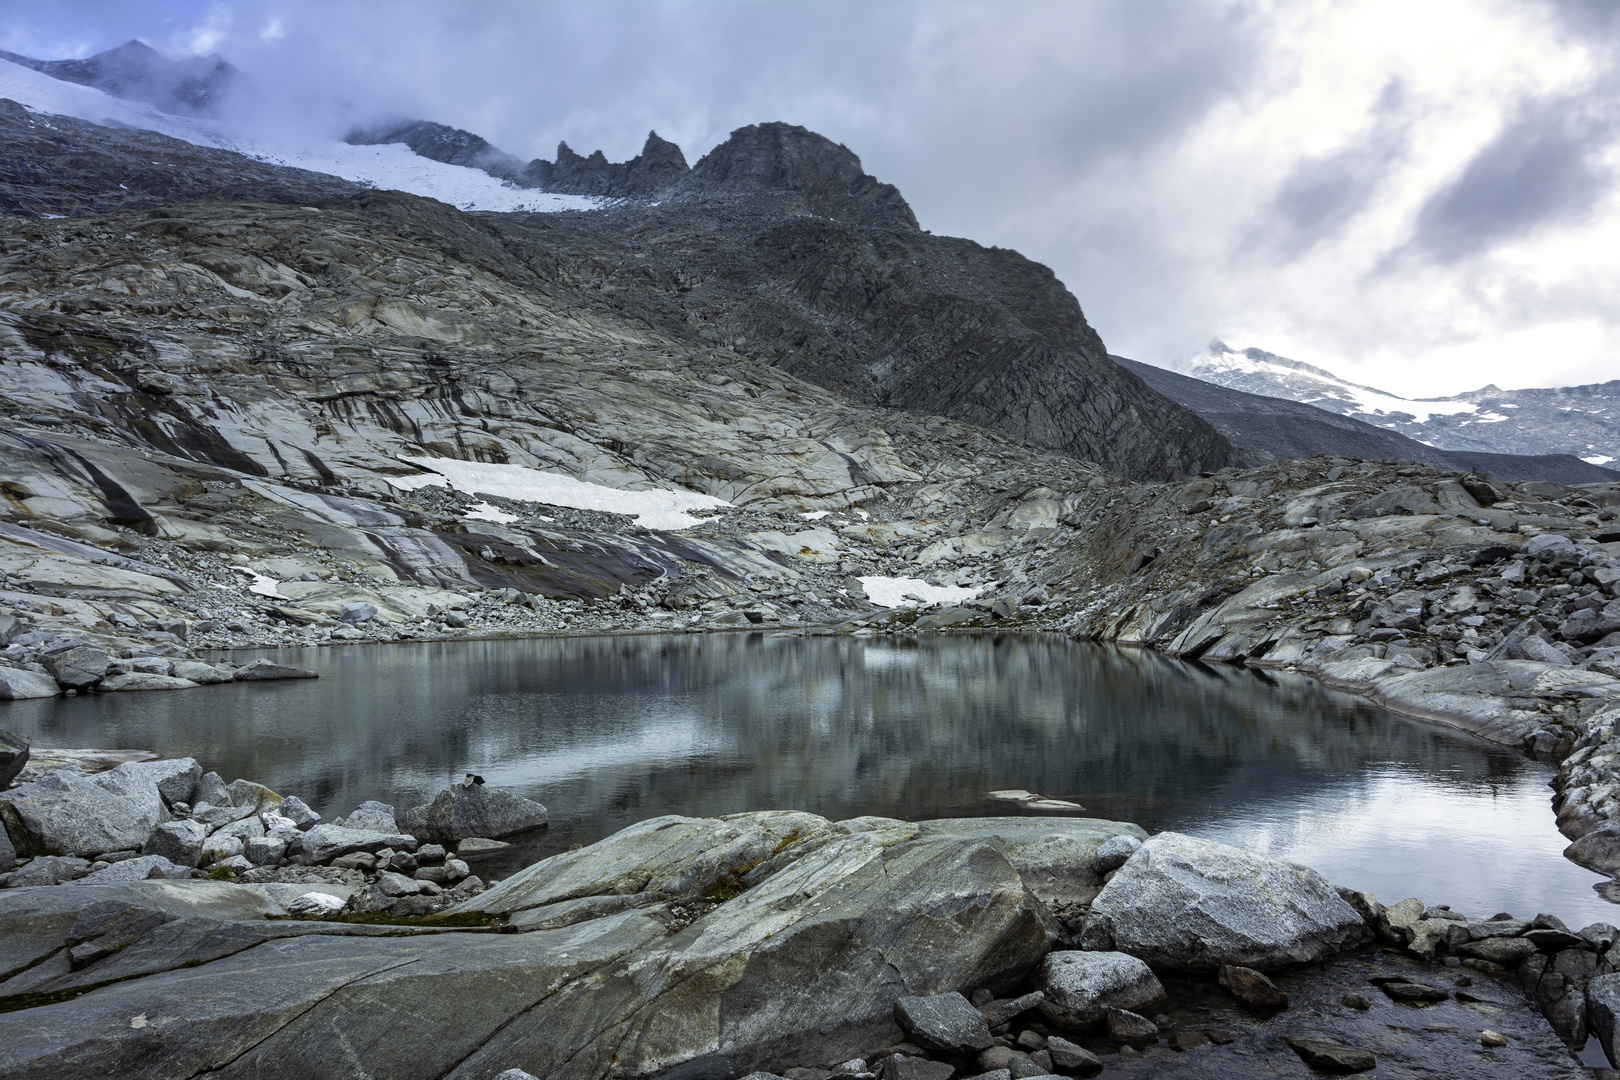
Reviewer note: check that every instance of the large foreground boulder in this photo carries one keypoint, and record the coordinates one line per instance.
(68, 813)
(472, 809)
(1057, 857)
(1185, 904)
(806, 963)
(19, 685)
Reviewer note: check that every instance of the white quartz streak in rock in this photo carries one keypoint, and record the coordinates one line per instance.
(658, 508)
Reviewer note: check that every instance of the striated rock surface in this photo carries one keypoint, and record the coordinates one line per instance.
(857, 924)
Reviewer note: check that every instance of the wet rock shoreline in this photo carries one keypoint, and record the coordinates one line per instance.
(994, 947)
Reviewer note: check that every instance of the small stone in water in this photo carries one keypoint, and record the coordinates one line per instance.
(1128, 1027)
(1355, 1001)
(1492, 1038)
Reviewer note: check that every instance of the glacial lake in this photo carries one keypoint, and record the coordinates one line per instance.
(606, 731)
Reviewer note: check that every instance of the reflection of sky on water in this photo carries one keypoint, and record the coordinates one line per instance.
(609, 731)
(1396, 832)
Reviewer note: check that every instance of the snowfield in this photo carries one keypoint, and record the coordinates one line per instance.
(1318, 389)
(392, 167)
(659, 508)
(893, 592)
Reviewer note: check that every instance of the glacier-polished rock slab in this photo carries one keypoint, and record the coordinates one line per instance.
(808, 961)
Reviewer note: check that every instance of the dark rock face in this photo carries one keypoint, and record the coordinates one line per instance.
(72, 168)
(137, 72)
(825, 178)
(654, 171)
(439, 142)
(13, 756)
(865, 305)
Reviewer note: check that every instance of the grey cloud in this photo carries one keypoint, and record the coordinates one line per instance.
(1324, 194)
(1036, 125)
(1542, 169)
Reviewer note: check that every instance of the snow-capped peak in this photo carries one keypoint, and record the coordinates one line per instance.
(392, 166)
(1256, 371)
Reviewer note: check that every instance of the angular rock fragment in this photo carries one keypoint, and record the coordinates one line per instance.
(181, 842)
(1253, 990)
(1127, 1027)
(468, 810)
(997, 1012)
(13, 756)
(1186, 904)
(323, 843)
(263, 669)
(294, 808)
(1080, 987)
(1114, 851)
(943, 1022)
(50, 870)
(77, 667)
(141, 868)
(1071, 1059)
(19, 685)
(1331, 1057)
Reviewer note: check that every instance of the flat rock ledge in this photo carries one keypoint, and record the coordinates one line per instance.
(781, 944)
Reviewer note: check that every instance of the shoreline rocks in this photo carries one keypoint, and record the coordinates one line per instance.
(838, 949)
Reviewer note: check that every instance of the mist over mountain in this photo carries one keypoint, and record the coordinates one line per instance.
(195, 86)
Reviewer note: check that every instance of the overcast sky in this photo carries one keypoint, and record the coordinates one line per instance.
(1419, 196)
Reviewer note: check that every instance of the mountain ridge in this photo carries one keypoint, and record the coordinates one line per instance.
(863, 302)
(1580, 420)
(1269, 429)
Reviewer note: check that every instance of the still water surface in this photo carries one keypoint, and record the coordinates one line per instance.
(609, 731)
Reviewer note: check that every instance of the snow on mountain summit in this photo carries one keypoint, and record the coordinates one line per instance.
(392, 166)
(1579, 420)
(1256, 371)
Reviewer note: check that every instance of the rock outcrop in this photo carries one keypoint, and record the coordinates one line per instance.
(856, 922)
(770, 941)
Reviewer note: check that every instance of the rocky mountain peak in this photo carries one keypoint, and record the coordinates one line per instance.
(827, 176)
(137, 72)
(440, 142)
(658, 167)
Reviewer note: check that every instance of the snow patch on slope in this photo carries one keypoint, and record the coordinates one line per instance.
(655, 509)
(393, 167)
(487, 512)
(893, 592)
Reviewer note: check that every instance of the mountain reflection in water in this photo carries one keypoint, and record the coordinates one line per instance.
(609, 731)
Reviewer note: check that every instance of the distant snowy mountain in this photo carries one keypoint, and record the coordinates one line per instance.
(1579, 420)
(394, 166)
